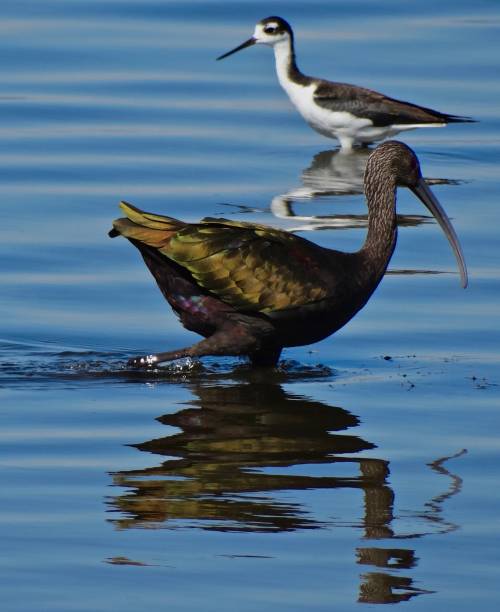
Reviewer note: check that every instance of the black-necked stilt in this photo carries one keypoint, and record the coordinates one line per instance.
(352, 114)
(252, 289)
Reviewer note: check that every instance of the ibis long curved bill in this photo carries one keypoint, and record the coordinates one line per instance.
(247, 43)
(425, 195)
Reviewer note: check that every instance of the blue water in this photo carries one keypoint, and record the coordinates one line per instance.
(364, 470)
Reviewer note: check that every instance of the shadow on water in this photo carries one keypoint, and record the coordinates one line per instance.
(336, 173)
(244, 449)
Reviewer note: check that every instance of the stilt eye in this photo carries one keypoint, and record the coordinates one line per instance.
(271, 28)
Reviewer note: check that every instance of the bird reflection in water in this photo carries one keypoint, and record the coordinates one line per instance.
(234, 456)
(385, 587)
(228, 435)
(336, 173)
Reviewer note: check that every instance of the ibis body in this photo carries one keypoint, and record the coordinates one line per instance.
(252, 289)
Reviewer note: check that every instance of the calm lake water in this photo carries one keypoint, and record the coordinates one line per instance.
(365, 469)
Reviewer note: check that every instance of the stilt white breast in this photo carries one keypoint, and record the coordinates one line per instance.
(353, 115)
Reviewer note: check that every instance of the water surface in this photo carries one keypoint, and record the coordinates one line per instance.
(363, 470)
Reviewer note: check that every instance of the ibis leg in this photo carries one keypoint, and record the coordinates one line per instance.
(235, 341)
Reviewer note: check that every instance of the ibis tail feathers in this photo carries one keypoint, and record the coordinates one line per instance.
(153, 230)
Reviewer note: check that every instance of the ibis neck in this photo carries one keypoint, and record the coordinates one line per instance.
(286, 65)
(382, 226)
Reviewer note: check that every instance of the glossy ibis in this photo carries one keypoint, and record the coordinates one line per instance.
(252, 290)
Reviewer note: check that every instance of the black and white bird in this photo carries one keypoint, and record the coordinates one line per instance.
(354, 115)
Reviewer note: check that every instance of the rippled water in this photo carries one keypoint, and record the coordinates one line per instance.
(364, 469)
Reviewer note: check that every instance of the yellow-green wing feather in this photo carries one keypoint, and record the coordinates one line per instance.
(252, 267)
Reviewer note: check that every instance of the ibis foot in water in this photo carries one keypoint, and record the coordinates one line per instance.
(252, 290)
(229, 340)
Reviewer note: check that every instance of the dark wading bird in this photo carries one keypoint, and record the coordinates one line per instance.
(252, 290)
(352, 114)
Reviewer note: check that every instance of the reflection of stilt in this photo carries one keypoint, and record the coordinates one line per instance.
(335, 173)
(282, 207)
(330, 173)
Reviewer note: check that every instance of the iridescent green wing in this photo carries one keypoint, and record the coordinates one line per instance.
(252, 267)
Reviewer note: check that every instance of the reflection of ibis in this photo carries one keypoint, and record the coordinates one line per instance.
(353, 115)
(251, 289)
(237, 448)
